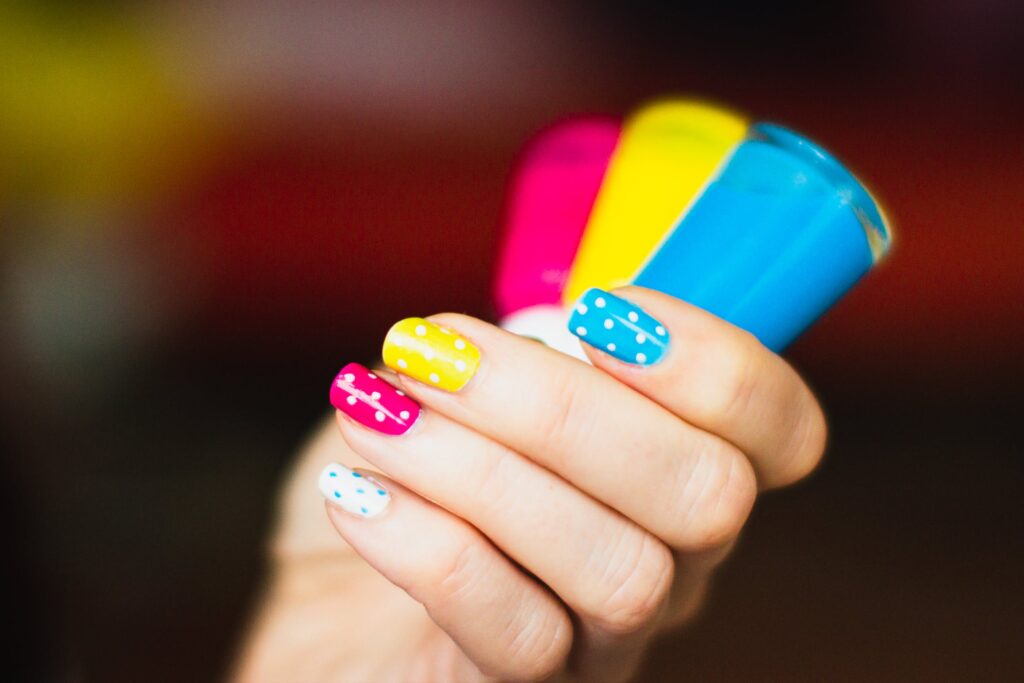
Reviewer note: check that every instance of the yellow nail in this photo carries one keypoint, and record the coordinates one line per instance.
(430, 353)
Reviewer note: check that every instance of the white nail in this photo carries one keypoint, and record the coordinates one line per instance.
(353, 492)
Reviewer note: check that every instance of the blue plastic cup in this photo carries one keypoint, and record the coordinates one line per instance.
(775, 239)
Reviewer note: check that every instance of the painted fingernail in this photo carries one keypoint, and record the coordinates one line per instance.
(430, 353)
(372, 402)
(618, 327)
(352, 491)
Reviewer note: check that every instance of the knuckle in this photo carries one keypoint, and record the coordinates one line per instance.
(807, 444)
(455, 572)
(736, 381)
(540, 648)
(716, 500)
(565, 421)
(641, 590)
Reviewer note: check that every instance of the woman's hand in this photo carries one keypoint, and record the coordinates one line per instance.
(551, 516)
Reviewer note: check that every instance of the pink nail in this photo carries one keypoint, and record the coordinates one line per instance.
(372, 402)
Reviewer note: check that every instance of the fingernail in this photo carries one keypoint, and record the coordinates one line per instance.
(372, 402)
(430, 353)
(618, 327)
(353, 491)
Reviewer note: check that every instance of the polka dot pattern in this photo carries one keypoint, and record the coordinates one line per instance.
(430, 353)
(349, 491)
(372, 402)
(620, 328)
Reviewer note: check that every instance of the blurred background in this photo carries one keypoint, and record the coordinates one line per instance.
(197, 201)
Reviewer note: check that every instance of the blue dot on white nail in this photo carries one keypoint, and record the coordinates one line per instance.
(337, 495)
(360, 490)
(363, 510)
(381, 492)
(332, 474)
(357, 475)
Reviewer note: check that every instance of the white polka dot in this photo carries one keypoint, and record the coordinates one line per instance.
(428, 354)
(402, 364)
(460, 344)
(460, 365)
(399, 392)
(374, 396)
(351, 400)
(349, 377)
(421, 330)
(599, 302)
(641, 338)
(581, 331)
(371, 375)
(633, 317)
(660, 330)
(379, 415)
(581, 308)
(611, 346)
(404, 415)
(434, 378)
(641, 358)
(608, 323)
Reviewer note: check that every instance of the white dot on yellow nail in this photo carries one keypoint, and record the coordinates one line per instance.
(611, 346)
(434, 378)
(641, 338)
(404, 415)
(374, 396)
(379, 415)
(581, 308)
(633, 317)
(460, 344)
(660, 330)
(599, 302)
(421, 330)
(428, 354)
(351, 400)
(460, 365)
(641, 358)
(581, 331)
(608, 323)
(402, 364)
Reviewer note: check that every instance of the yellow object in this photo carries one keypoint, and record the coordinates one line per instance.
(668, 152)
(430, 353)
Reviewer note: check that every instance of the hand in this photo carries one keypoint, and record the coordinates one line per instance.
(552, 517)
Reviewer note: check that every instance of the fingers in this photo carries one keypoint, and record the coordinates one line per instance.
(690, 488)
(503, 620)
(708, 372)
(606, 568)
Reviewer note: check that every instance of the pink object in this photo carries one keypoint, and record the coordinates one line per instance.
(372, 402)
(549, 200)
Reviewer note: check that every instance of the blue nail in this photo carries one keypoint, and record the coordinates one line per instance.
(618, 328)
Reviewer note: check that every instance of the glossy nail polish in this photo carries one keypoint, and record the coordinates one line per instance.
(430, 353)
(618, 328)
(353, 491)
(372, 402)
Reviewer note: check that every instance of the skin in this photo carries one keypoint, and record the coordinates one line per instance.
(547, 521)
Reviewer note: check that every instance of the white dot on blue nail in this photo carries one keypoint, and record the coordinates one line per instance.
(581, 308)
(641, 358)
(633, 317)
(611, 346)
(608, 324)
(660, 330)
(641, 338)
(581, 331)
(599, 302)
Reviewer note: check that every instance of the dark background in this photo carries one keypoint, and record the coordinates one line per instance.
(205, 209)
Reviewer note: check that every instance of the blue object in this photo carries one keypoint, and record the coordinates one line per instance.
(776, 238)
(618, 327)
